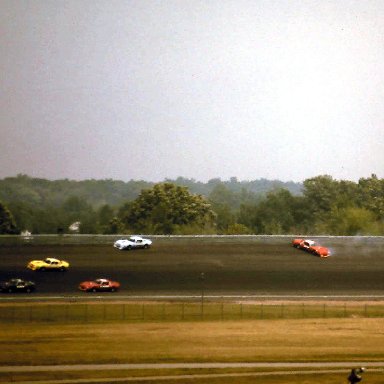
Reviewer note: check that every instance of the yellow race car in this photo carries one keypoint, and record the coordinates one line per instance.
(49, 264)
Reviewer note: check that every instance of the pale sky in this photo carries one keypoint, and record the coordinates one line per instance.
(201, 89)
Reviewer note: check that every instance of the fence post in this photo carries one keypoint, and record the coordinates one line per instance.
(345, 309)
(282, 310)
(241, 311)
(324, 313)
(365, 310)
(142, 312)
(222, 311)
(182, 311)
(261, 311)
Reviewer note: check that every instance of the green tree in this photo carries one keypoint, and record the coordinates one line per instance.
(115, 226)
(7, 222)
(321, 193)
(78, 209)
(167, 208)
(105, 215)
(223, 202)
(352, 221)
(371, 195)
(276, 214)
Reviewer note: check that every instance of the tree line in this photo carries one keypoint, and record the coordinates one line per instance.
(319, 205)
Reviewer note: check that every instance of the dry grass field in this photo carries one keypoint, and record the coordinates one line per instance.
(231, 341)
(305, 340)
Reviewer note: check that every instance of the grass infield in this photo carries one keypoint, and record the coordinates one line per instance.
(278, 340)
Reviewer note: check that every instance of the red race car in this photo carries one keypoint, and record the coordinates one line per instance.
(311, 247)
(99, 285)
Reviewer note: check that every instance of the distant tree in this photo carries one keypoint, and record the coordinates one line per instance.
(166, 209)
(115, 226)
(105, 214)
(78, 209)
(276, 214)
(351, 221)
(7, 222)
(238, 229)
(321, 193)
(371, 195)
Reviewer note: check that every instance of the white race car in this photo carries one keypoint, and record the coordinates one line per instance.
(132, 242)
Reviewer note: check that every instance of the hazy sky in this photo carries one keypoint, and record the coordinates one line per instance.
(201, 89)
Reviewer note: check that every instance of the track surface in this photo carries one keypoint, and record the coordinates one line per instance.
(247, 266)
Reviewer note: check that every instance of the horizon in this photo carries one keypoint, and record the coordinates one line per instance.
(183, 178)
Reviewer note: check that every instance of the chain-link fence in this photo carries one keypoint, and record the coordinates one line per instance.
(185, 311)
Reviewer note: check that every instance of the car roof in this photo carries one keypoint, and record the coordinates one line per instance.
(51, 259)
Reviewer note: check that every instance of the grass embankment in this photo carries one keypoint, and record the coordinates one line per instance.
(279, 340)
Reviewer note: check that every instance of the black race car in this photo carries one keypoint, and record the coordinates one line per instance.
(17, 285)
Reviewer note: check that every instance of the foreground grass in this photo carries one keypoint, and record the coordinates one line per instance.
(278, 340)
(232, 341)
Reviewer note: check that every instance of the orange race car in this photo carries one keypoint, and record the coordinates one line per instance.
(311, 247)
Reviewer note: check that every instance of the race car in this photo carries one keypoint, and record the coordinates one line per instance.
(99, 285)
(132, 243)
(17, 285)
(49, 264)
(311, 247)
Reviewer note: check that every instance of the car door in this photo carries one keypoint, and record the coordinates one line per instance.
(104, 286)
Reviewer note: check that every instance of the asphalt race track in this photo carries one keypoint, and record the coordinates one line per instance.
(231, 266)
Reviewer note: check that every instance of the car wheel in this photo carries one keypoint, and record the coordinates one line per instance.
(28, 290)
(63, 269)
(146, 246)
(112, 289)
(129, 248)
(94, 290)
(10, 290)
(42, 269)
